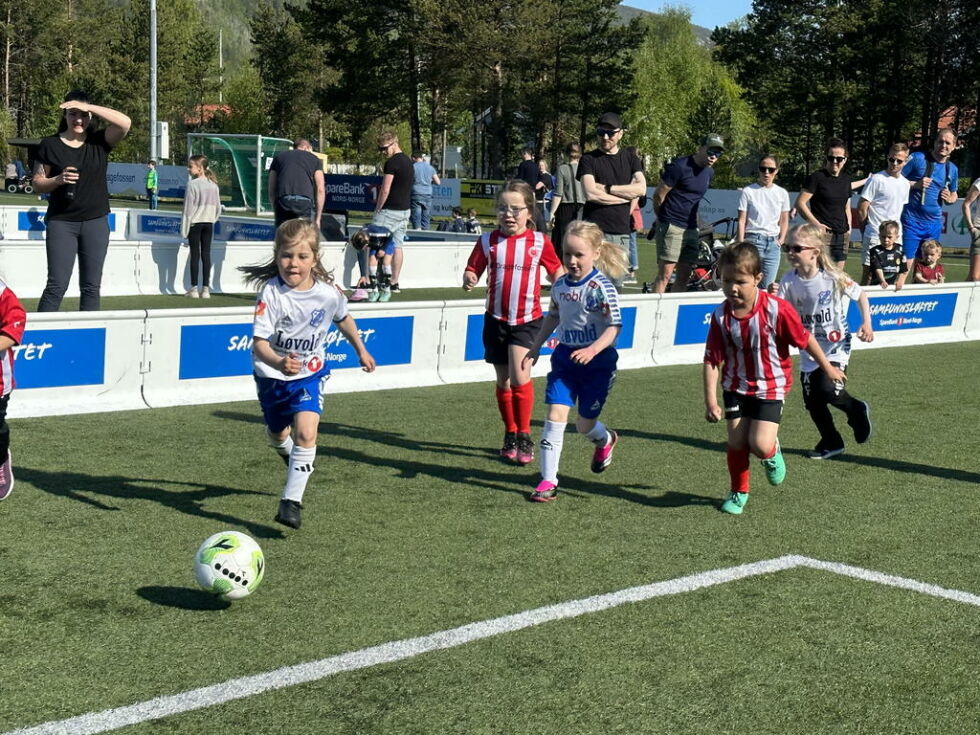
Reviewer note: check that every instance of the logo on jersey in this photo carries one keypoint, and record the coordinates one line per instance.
(316, 318)
(595, 299)
(834, 335)
(284, 322)
(260, 308)
(533, 252)
(315, 364)
(306, 396)
(823, 298)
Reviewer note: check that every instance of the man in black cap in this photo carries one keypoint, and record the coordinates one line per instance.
(611, 177)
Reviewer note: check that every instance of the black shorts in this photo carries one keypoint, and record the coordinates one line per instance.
(738, 406)
(838, 246)
(498, 336)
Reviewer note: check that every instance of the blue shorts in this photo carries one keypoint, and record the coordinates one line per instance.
(281, 400)
(388, 249)
(587, 385)
(915, 231)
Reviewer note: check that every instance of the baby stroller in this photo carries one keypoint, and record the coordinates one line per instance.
(709, 248)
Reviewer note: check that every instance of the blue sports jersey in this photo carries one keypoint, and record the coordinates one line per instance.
(943, 175)
(585, 308)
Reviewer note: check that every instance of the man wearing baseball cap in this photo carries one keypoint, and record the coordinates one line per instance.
(611, 178)
(675, 202)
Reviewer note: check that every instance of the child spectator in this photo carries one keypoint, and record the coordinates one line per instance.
(296, 306)
(748, 347)
(512, 256)
(380, 246)
(12, 323)
(887, 260)
(928, 269)
(585, 309)
(820, 293)
(473, 223)
(202, 206)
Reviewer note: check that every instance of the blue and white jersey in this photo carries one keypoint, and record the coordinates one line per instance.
(822, 306)
(585, 308)
(296, 322)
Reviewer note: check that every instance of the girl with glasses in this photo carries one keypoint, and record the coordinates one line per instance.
(513, 255)
(820, 293)
(763, 217)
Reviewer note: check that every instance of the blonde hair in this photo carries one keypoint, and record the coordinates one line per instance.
(290, 233)
(610, 259)
(889, 225)
(817, 238)
(387, 137)
(929, 246)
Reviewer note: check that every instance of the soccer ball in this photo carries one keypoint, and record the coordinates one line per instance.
(229, 564)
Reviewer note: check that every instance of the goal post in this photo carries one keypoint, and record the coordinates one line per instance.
(241, 163)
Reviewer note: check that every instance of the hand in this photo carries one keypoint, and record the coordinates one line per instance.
(713, 413)
(884, 284)
(68, 176)
(532, 357)
(924, 183)
(940, 278)
(865, 333)
(75, 105)
(583, 356)
(290, 364)
(773, 289)
(948, 196)
(469, 280)
(367, 362)
(837, 375)
(898, 284)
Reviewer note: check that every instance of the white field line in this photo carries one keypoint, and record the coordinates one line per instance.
(247, 686)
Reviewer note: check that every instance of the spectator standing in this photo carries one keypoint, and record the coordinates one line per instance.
(973, 227)
(425, 176)
(394, 198)
(202, 206)
(676, 200)
(296, 185)
(826, 200)
(934, 180)
(882, 199)
(611, 177)
(527, 169)
(763, 217)
(566, 204)
(153, 185)
(72, 168)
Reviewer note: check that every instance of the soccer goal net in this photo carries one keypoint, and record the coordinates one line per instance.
(241, 163)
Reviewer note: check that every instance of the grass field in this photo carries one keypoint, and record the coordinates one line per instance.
(413, 526)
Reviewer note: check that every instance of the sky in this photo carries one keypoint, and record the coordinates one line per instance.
(706, 13)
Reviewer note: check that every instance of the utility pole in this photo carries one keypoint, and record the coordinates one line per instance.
(154, 141)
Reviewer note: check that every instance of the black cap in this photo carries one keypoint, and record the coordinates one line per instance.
(611, 120)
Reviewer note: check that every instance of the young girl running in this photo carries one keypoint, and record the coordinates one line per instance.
(585, 309)
(295, 307)
(748, 345)
(512, 254)
(820, 293)
(202, 205)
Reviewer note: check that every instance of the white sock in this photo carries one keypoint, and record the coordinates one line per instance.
(599, 435)
(552, 439)
(300, 469)
(283, 447)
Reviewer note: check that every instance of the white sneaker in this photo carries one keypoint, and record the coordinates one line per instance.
(205, 293)
(192, 293)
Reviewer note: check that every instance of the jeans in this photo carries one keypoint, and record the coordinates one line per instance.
(421, 211)
(769, 253)
(63, 240)
(621, 241)
(294, 206)
(154, 198)
(634, 259)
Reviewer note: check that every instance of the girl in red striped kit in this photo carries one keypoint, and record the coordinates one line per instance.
(513, 255)
(748, 346)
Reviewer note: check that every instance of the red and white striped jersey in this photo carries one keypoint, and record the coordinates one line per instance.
(755, 348)
(513, 277)
(13, 319)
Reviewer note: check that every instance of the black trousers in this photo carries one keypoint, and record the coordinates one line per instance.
(819, 394)
(199, 239)
(64, 240)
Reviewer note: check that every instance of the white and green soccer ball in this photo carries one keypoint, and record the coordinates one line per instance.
(229, 564)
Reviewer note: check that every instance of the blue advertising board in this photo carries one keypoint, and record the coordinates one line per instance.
(229, 230)
(473, 349)
(158, 224)
(55, 358)
(33, 221)
(692, 323)
(359, 193)
(225, 350)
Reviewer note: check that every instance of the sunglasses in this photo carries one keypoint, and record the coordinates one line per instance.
(894, 161)
(797, 249)
(606, 132)
(836, 159)
(767, 170)
(715, 152)
(384, 148)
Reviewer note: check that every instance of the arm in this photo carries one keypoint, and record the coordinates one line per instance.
(971, 197)
(803, 207)
(475, 266)
(190, 203)
(383, 192)
(272, 187)
(783, 227)
(847, 217)
(636, 188)
(813, 347)
(555, 201)
(348, 328)
(712, 411)
(548, 325)
(864, 207)
(918, 277)
(584, 356)
(44, 183)
(865, 333)
(118, 123)
(321, 195)
(903, 273)
(594, 192)
(285, 364)
(659, 195)
(435, 179)
(743, 217)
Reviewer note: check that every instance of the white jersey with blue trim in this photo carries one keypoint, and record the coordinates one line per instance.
(296, 323)
(822, 307)
(585, 308)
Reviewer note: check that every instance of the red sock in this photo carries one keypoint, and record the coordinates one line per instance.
(523, 406)
(738, 469)
(772, 452)
(505, 402)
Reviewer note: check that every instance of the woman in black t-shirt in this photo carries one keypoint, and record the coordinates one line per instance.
(72, 169)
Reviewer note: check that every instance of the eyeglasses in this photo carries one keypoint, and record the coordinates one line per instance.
(895, 161)
(514, 211)
(836, 159)
(797, 249)
(715, 152)
(606, 132)
(384, 148)
(767, 170)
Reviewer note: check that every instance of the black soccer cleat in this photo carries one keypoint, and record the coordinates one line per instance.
(860, 421)
(289, 513)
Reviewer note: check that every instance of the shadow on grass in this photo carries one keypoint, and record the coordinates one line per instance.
(99, 491)
(184, 598)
